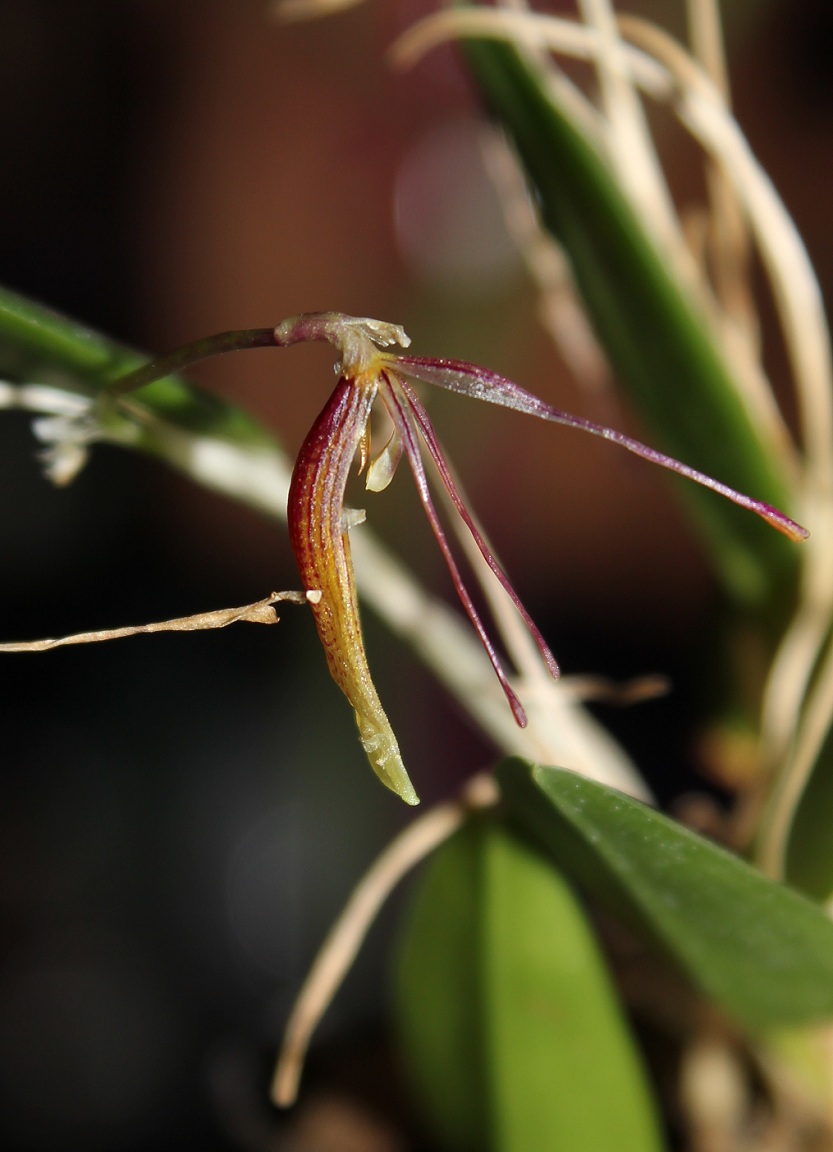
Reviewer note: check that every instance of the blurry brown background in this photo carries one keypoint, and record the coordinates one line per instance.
(181, 817)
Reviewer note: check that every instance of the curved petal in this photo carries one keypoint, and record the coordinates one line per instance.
(319, 536)
(382, 467)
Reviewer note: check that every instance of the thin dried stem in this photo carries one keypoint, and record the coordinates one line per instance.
(617, 694)
(345, 938)
(564, 91)
(560, 311)
(814, 728)
(795, 660)
(630, 143)
(705, 32)
(261, 612)
(728, 235)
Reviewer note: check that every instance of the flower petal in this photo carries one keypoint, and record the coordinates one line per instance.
(433, 446)
(399, 405)
(469, 380)
(382, 468)
(319, 535)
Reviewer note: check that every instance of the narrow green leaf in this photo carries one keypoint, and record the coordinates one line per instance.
(759, 948)
(33, 334)
(506, 1009)
(809, 855)
(37, 343)
(557, 1043)
(657, 343)
(439, 996)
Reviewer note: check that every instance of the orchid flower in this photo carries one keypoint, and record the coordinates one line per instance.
(320, 523)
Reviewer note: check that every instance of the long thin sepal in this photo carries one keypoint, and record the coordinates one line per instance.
(400, 411)
(480, 384)
(430, 438)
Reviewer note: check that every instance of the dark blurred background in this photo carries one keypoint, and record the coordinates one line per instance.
(181, 817)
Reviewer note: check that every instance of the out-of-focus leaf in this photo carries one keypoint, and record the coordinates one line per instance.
(808, 860)
(759, 948)
(31, 334)
(439, 995)
(659, 346)
(801, 1056)
(38, 344)
(511, 1028)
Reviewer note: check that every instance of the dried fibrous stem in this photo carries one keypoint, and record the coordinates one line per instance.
(730, 242)
(261, 612)
(559, 308)
(339, 950)
(601, 690)
(629, 140)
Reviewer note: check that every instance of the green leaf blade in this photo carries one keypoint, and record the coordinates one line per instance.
(558, 1043)
(758, 948)
(438, 997)
(506, 1009)
(36, 341)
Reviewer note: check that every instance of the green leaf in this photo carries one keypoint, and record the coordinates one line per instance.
(514, 1035)
(32, 335)
(759, 948)
(438, 995)
(808, 860)
(37, 343)
(659, 346)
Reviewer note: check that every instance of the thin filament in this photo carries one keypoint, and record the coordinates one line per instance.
(403, 420)
(467, 380)
(432, 444)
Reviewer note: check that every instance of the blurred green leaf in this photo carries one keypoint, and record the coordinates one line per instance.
(808, 859)
(514, 1035)
(37, 344)
(757, 947)
(657, 343)
(32, 335)
(439, 993)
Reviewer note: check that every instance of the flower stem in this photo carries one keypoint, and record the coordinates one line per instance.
(239, 340)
